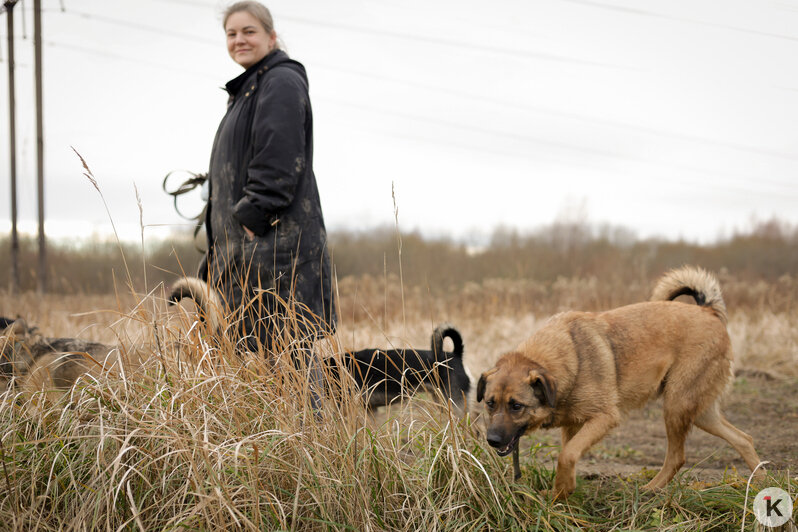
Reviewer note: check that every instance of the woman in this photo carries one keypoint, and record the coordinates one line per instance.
(266, 237)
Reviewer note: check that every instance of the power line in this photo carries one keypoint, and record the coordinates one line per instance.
(590, 3)
(738, 190)
(136, 26)
(462, 94)
(460, 45)
(780, 186)
(111, 55)
(452, 125)
(612, 123)
(564, 114)
(644, 13)
(355, 29)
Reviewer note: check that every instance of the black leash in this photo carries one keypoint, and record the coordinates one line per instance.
(196, 180)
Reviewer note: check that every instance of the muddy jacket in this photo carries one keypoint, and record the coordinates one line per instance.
(261, 176)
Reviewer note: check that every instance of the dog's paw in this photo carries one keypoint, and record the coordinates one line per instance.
(555, 494)
(652, 486)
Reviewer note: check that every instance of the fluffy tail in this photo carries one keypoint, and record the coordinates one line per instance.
(447, 331)
(206, 298)
(695, 282)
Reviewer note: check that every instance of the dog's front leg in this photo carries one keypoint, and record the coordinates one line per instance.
(568, 432)
(584, 438)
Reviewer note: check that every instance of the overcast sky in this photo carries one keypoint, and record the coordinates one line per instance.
(675, 118)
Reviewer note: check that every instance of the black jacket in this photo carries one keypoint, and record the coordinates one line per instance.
(261, 176)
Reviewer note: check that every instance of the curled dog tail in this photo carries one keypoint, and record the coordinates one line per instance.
(206, 298)
(695, 282)
(447, 331)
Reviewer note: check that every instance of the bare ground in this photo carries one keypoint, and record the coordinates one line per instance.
(765, 408)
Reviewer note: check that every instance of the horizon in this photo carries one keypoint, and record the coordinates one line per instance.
(131, 234)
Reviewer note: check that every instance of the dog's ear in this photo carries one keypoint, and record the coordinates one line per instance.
(17, 328)
(483, 380)
(544, 386)
(481, 387)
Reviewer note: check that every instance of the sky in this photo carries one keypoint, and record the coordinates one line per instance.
(674, 119)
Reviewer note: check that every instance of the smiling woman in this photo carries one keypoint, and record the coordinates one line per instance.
(267, 243)
(250, 35)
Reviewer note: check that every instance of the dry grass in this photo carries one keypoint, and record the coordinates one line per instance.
(202, 438)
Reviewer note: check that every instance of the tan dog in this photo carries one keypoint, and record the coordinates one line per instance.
(37, 363)
(31, 362)
(584, 371)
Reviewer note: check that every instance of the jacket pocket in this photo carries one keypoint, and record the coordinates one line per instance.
(284, 273)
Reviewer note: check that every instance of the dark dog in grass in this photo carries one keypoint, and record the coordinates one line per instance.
(383, 375)
(387, 375)
(34, 362)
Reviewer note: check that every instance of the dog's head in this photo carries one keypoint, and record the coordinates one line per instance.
(15, 348)
(519, 396)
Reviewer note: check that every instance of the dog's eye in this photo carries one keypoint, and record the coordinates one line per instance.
(489, 403)
(517, 406)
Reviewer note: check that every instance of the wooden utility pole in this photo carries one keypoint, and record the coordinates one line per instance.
(41, 286)
(14, 281)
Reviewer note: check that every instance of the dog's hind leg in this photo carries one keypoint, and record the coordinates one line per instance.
(712, 421)
(677, 425)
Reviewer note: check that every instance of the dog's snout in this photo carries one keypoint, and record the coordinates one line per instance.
(494, 438)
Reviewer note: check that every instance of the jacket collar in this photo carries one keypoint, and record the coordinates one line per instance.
(272, 58)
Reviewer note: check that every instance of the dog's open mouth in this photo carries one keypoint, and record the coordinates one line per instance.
(507, 449)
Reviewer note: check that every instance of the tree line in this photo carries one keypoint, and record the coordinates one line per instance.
(765, 252)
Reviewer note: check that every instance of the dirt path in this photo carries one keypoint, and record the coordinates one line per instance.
(767, 409)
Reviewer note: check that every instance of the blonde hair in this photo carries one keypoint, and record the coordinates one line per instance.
(257, 10)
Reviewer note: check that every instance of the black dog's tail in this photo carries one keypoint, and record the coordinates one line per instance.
(695, 282)
(206, 298)
(447, 331)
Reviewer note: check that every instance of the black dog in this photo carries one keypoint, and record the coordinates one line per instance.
(382, 375)
(387, 375)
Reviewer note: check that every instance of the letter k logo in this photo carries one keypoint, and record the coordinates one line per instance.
(772, 507)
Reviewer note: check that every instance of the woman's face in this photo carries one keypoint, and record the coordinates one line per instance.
(247, 40)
